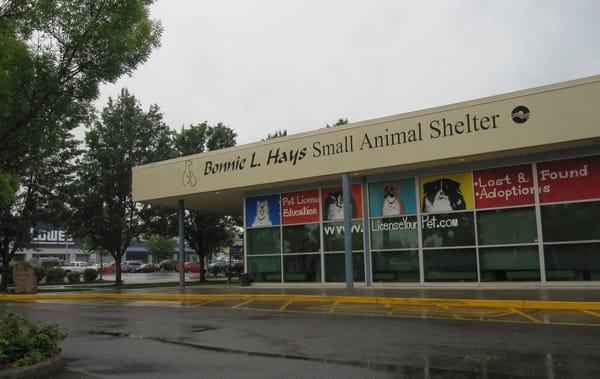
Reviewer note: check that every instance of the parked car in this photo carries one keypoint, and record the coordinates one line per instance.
(107, 268)
(130, 266)
(75, 266)
(167, 265)
(194, 267)
(47, 262)
(148, 267)
(222, 266)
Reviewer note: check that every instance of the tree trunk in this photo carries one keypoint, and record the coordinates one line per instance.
(5, 268)
(118, 259)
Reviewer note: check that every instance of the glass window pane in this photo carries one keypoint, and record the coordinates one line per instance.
(503, 226)
(264, 269)
(394, 233)
(448, 229)
(395, 266)
(456, 265)
(571, 222)
(302, 268)
(499, 264)
(301, 238)
(573, 262)
(264, 241)
(335, 267)
(333, 236)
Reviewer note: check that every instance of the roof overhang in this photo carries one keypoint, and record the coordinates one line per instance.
(562, 115)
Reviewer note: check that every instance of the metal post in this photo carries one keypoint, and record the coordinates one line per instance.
(181, 245)
(367, 233)
(348, 230)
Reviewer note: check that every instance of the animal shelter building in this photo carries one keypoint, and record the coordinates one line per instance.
(491, 191)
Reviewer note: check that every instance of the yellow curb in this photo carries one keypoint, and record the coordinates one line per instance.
(477, 303)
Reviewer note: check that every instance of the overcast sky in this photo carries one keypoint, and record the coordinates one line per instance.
(259, 66)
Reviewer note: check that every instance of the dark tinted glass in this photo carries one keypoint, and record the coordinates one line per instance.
(455, 265)
(394, 233)
(573, 262)
(301, 238)
(448, 229)
(499, 264)
(504, 226)
(395, 266)
(333, 236)
(302, 268)
(571, 222)
(264, 241)
(335, 267)
(264, 269)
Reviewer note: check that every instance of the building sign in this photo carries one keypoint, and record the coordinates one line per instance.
(446, 193)
(300, 207)
(572, 179)
(333, 202)
(50, 237)
(262, 211)
(392, 198)
(502, 187)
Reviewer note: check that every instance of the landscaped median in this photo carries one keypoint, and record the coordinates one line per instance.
(481, 303)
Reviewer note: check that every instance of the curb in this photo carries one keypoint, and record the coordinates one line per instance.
(42, 369)
(477, 303)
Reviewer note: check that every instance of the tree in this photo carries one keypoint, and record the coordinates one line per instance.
(276, 134)
(103, 209)
(205, 232)
(339, 122)
(55, 54)
(159, 247)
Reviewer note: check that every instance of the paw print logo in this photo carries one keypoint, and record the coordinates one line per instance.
(520, 114)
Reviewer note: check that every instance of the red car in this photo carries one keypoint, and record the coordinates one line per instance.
(194, 267)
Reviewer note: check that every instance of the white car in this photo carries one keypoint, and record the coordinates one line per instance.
(75, 266)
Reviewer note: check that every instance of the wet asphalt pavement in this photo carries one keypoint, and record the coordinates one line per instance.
(111, 340)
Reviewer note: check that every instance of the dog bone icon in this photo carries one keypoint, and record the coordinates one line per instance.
(189, 179)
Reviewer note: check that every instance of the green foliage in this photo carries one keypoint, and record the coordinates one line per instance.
(159, 247)
(54, 56)
(9, 274)
(40, 272)
(276, 134)
(103, 210)
(74, 277)
(23, 342)
(89, 275)
(55, 275)
(339, 122)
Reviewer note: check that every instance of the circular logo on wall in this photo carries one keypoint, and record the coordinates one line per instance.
(520, 114)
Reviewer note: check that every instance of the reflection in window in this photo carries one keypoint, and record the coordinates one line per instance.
(504, 226)
(452, 265)
(448, 229)
(571, 222)
(302, 268)
(264, 269)
(335, 267)
(301, 238)
(394, 233)
(333, 236)
(264, 241)
(500, 264)
(572, 262)
(395, 266)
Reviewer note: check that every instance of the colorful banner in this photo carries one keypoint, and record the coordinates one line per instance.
(333, 202)
(503, 187)
(446, 193)
(572, 179)
(392, 198)
(300, 207)
(262, 211)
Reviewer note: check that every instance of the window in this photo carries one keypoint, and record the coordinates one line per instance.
(264, 269)
(335, 267)
(264, 241)
(302, 268)
(572, 262)
(396, 266)
(394, 233)
(301, 238)
(507, 226)
(448, 229)
(571, 222)
(499, 264)
(450, 265)
(333, 236)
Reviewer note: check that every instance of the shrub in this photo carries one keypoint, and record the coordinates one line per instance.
(89, 274)
(55, 275)
(74, 277)
(23, 342)
(40, 272)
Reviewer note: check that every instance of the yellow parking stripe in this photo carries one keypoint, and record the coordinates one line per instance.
(285, 305)
(535, 320)
(242, 303)
(591, 313)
